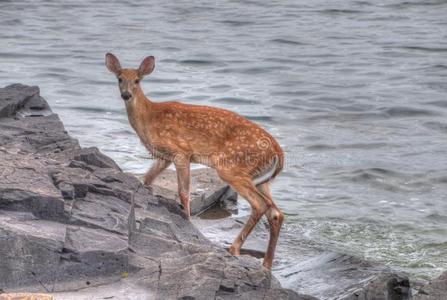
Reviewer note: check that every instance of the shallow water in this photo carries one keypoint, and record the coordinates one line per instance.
(355, 91)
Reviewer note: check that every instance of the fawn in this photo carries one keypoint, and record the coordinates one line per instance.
(243, 154)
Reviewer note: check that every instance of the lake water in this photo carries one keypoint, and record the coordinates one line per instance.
(355, 92)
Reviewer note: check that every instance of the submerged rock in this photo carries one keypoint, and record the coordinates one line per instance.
(312, 270)
(73, 225)
(347, 277)
(435, 290)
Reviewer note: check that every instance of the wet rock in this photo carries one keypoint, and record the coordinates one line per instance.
(347, 277)
(207, 189)
(317, 272)
(73, 225)
(224, 231)
(435, 290)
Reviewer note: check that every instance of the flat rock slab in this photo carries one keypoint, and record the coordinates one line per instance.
(207, 189)
(73, 225)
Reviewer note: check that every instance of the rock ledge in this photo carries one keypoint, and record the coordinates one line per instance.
(68, 226)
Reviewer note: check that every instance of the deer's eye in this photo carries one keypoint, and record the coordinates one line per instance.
(120, 80)
(137, 81)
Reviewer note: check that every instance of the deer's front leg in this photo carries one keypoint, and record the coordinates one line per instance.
(158, 166)
(182, 165)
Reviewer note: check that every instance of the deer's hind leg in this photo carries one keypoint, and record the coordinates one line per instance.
(244, 186)
(275, 218)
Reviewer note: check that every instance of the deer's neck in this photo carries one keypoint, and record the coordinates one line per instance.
(139, 114)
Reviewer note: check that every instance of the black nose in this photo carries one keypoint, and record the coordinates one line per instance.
(126, 95)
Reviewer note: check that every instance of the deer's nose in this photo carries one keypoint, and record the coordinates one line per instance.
(126, 95)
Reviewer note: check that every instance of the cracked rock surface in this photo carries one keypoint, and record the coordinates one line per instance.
(74, 225)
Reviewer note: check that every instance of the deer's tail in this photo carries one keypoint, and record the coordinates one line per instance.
(272, 171)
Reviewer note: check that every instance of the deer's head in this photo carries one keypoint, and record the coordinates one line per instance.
(129, 79)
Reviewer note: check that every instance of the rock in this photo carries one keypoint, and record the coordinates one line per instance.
(207, 189)
(29, 248)
(123, 289)
(347, 277)
(435, 290)
(224, 231)
(15, 97)
(92, 157)
(315, 271)
(73, 225)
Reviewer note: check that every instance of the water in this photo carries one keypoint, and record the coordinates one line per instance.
(355, 91)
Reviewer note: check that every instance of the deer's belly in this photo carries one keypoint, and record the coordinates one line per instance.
(202, 159)
(161, 153)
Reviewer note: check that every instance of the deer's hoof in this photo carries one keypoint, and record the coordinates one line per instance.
(267, 265)
(233, 251)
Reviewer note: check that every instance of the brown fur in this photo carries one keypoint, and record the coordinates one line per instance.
(237, 148)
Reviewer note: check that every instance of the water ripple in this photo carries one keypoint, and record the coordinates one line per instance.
(354, 91)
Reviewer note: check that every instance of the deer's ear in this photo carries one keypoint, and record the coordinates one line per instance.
(147, 66)
(113, 64)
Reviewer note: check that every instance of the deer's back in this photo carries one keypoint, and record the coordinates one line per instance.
(204, 131)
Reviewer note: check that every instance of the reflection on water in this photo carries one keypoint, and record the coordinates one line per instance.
(355, 91)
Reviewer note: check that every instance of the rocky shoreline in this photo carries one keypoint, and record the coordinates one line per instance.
(65, 225)
(74, 226)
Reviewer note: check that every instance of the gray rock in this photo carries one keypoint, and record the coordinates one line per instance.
(92, 157)
(347, 277)
(435, 290)
(317, 272)
(29, 248)
(207, 189)
(16, 97)
(27, 186)
(74, 225)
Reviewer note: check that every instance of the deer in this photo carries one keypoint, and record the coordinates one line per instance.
(244, 155)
